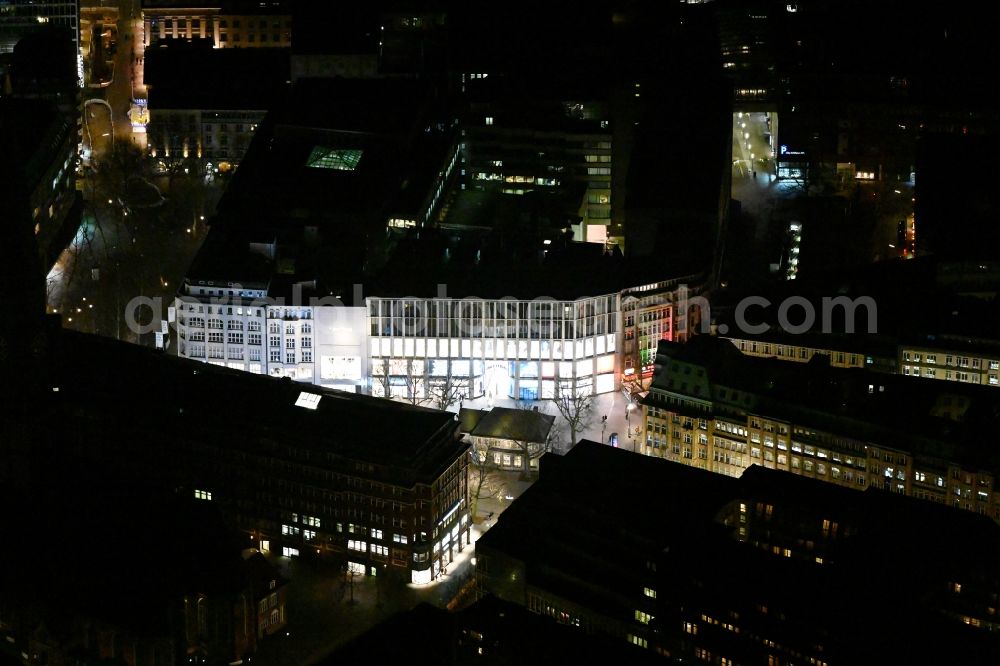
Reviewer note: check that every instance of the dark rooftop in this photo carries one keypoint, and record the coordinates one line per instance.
(515, 265)
(227, 6)
(188, 78)
(121, 570)
(510, 634)
(594, 482)
(522, 425)
(874, 345)
(391, 154)
(587, 530)
(187, 398)
(30, 130)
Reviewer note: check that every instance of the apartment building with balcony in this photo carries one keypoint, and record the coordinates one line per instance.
(713, 408)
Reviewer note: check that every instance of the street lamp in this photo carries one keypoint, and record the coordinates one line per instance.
(628, 426)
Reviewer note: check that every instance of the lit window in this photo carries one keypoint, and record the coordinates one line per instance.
(649, 592)
(642, 617)
(489, 120)
(323, 157)
(203, 495)
(290, 552)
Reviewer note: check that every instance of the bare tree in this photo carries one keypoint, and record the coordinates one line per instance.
(576, 407)
(484, 476)
(114, 172)
(416, 386)
(381, 377)
(412, 384)
(446, 392)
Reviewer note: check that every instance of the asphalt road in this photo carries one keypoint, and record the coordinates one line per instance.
(751, 150)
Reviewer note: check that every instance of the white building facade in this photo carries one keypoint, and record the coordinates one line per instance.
(414, 347)
(241, 328)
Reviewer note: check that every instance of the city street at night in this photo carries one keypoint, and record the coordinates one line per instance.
(451, 333)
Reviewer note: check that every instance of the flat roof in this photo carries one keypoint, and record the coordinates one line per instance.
(264, 7)
(399, 155)
(113, 382)
(181, 77)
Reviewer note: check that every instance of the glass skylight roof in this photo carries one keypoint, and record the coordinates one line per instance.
(323, 157)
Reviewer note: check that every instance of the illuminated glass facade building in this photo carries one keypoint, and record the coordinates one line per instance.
(20, 17)
(512, 348)
(348, 206)
(407, 347)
